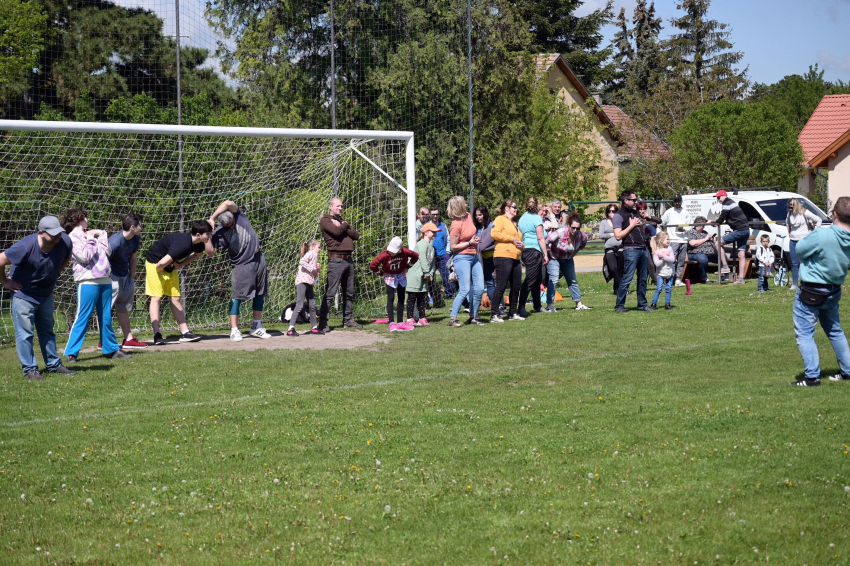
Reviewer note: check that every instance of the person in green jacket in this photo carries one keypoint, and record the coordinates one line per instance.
(420, 273)
(824, 260)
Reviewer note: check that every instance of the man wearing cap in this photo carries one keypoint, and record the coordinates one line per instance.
(36, 260)
(676, 220)
(248, 277)
(339, 238)
(732, 215)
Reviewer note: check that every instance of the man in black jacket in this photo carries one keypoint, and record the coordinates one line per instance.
(628, 228)
(732, 215)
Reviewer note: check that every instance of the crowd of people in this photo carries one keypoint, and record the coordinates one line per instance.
(474, 256)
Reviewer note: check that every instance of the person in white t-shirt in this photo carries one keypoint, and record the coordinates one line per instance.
(674, 220)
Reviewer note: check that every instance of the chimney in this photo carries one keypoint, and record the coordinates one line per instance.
(597, 96)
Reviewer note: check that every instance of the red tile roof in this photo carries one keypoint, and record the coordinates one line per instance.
(637, 141)
(825, 130)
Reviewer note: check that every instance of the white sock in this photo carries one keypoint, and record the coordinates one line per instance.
(292, 328)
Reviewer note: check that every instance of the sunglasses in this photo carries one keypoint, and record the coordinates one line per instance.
(513, 206)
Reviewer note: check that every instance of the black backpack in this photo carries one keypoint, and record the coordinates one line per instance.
(303, 316)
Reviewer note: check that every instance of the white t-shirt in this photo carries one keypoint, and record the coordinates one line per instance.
(672, 217)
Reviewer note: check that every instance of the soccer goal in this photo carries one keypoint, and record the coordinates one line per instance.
(282, 178)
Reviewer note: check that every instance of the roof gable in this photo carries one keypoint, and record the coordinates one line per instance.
(637, 142)
(827, 129)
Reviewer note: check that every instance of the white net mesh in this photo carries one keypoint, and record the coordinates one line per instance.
(283, 186)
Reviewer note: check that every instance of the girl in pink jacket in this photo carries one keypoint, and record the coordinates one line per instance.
(308, 272)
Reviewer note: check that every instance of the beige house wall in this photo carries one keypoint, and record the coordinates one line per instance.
(806, 182)
(839, 174)
(558, 82)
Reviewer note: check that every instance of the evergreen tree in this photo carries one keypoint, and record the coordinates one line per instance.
(701, 54)
(23, 35)
(647, 62)
(623, 56)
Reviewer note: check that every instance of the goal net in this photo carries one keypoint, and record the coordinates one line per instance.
(283, 179)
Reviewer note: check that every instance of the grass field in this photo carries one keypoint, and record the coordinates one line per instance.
(573, 438)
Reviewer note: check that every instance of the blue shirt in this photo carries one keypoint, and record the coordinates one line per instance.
(441, 239)
(35, 270)
(120, 251)
(527, 225)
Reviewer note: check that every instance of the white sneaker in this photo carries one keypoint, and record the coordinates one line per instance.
(496, 318)
(235, 334)
(678, 284)
(260, 333)
(516, 317)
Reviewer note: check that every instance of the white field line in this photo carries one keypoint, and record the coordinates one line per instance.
(383, 383)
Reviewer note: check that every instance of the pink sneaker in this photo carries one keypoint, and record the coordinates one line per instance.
(394, 327)
(411, 322)
(424, 322)
(405, 326)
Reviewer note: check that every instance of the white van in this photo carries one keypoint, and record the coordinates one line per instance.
(765, 206)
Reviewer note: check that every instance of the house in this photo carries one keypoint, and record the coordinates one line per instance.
(563, 81)
(635, 142)
(826, 146)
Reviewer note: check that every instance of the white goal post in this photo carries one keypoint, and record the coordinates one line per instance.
(282, 177)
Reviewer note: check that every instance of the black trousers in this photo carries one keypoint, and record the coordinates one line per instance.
(391, 295)
(419, 300)
(533, 261)
(507, 271)
(340, 275)
(614, 260)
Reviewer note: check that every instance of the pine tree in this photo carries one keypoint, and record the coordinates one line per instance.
(623, 56)
(701, 55)
(648, 61)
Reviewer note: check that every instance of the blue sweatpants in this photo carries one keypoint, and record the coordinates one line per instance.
(89, 299)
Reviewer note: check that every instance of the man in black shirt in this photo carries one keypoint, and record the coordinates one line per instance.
(732, 215)
(628, 228)
(165, 258)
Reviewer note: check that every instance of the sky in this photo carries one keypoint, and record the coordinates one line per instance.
(777, 37)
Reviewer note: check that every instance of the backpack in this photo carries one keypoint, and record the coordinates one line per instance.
(303, 316)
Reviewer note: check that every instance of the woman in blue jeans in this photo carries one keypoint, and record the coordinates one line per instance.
(463, 243)
(564, 244)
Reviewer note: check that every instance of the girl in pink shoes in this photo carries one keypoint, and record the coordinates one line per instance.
(308, 272)
(420, 274)
(393, 263)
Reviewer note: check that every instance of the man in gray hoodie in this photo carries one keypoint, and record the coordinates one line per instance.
(824, 260)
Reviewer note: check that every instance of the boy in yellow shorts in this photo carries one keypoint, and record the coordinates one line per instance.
(165, 258)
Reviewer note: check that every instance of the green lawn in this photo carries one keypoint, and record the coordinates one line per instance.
(573, 438)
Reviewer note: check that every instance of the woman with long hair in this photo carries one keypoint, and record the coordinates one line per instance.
(799, 222)
(463, 243)
(506, 259)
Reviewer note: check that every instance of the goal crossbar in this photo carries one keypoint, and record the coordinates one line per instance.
(291, 133)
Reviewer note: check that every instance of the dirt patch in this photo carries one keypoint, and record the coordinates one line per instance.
(335, 340)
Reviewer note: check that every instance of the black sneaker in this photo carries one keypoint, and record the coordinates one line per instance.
(189, 337)
(807, 382)
(621, 310)
(352, 324)
(71, 359)
(63, 370)
(839, 377)
(475, 321)
(650, 308)
(158, 340)
(668, 307)
(34, 374)
(119, 355)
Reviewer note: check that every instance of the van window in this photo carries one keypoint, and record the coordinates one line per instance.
(750, 212)
(777, 209)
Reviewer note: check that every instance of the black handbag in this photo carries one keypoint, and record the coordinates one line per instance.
(813, 297)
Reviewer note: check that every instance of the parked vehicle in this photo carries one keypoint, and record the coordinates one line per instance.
(763, 208)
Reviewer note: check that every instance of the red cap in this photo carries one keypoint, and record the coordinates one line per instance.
(721, 193)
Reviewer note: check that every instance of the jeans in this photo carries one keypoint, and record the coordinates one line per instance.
(533, 261)
(27, 315)
(680, 251)
(805, 318)
(740, 236)
(667, 284)
(702, 263)
(634, 260)
(489, 267)
(443, 267)
(469, 270)
(762, 282)
(565, 268)
(92, 298)
(508, 270)
(795, 261)
(340, 274)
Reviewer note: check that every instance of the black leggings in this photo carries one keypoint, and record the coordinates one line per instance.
(418, 300)
(533, 261)
(391, 293)
(507, 271)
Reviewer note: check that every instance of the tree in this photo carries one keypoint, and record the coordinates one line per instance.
(23, 35)
(796, 97)
(701, 54)
(738, 144)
